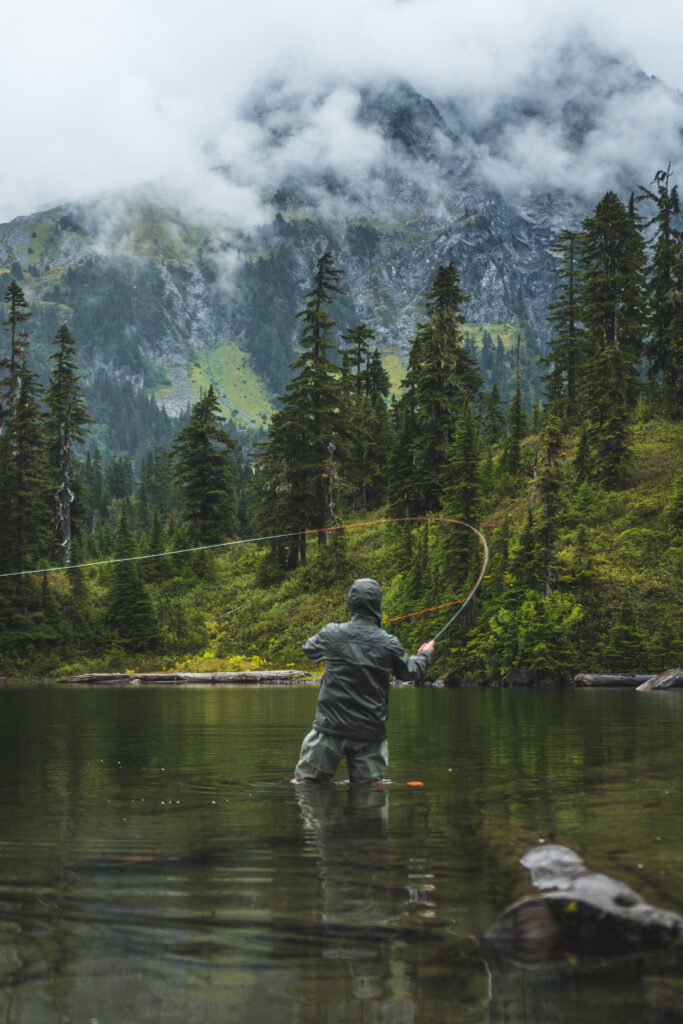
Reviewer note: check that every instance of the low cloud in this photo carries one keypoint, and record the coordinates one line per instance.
(109, 95)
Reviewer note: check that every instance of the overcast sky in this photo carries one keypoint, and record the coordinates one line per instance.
(106, 94)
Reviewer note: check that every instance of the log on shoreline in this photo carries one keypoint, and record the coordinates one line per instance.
(644, 681)
(664, 680)
(274, 676)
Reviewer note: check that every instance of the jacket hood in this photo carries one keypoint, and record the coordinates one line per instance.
(365, 598)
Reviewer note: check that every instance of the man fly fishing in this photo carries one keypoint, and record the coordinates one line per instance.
(353, 705)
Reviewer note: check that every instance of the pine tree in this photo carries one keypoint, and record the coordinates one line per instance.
(18, 313)
(612, 308)
(626, 646)
(204, 471)
(549, 493)
(566, 346)
(368, 430)
(492, 417)
(23, 507)
(518, 426)
(441, 374)
(582, 462)
(129, 609)
(664, 348)
(358, 340)
(66, 422)
(462, 497)
(526, 563)
(307, 435)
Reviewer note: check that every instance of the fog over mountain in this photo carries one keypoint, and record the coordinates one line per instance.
(394, 174)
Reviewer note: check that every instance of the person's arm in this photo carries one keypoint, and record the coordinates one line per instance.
(412, 669)
(314, 648)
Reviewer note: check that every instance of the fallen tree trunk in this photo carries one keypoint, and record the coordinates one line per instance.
(644, 681)
(607, 679)
(184, 678)
(672, 677)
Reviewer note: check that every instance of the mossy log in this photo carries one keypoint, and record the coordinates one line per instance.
(184, 678)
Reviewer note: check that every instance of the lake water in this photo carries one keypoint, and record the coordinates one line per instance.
(156, 865)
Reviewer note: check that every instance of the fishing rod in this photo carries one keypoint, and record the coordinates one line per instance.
(463, 602)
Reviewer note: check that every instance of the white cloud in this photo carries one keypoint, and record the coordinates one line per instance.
(114, 93)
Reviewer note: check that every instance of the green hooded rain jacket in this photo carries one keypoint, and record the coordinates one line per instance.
(360, 659)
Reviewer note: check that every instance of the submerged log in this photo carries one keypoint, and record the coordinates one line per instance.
(185, 678)
(579, 912)
(672, 677)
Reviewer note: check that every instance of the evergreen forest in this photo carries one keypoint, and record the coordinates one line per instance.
(570, 464)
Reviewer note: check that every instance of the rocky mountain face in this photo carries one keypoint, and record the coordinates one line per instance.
(162, 293)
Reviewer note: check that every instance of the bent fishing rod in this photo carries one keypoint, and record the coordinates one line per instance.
(313, 531)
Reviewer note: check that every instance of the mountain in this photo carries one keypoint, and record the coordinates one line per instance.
(172, 285)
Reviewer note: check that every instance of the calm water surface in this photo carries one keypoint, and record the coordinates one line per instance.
(157, 866)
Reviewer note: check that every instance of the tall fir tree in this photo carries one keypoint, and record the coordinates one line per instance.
(67, 419)
(612, 309)
(664, 347)
(306, 441)
(23, 507)
(128, 607)
(441, 374)
(462, 498)
(518, 425)
(492, 417)
(204, 470)
(18, 313)
(549, 485)
(565, 358)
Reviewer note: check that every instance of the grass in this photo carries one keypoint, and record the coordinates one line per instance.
(393, 364)
(242, 394)
(508, 332)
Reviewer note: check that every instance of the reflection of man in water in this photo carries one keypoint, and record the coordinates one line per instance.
(350, 720)
(359, 906)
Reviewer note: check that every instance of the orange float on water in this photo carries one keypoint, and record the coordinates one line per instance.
(414, 783)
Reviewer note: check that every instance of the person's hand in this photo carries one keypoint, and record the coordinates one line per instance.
(428, 647)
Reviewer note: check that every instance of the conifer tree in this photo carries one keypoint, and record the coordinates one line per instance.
(441, 374)
(549, 493)
(358, 340)
(18, 313)
(462, 497)
(563, 382)
(612, 308)
(129, 609)
(307, 435)
(526, 562)
(492, 417)
(66, 421)
(664, 347)
(625, 648)
(582, 462)
(402, 487)
(518, 426)
(368, 427)
(23, 506)
(204, 471)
